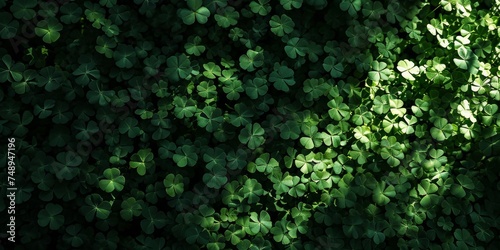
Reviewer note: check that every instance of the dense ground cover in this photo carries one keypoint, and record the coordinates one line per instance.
(224, 124)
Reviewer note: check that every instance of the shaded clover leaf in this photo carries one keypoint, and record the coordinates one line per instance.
(467, 60)
(281, 25)
(130, 208)
(282, 77)
(227, 17)
(113, 180)
(10, 71)
(252, 135)
(8, 27)
(23, 9)
(185, 156)
(333, 66)
(178, 67)
(50, 216)
(95, 206)
(152, 219)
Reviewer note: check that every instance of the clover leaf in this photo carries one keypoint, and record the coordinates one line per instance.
(10, 71)
(252, 135)
(95, 206)
(281, 25)
(282, 77)
(196, 12)
(130, 208)
(113, 180)
(50, 216)
(49, 30)
(8, 27)
(185, 155)
(152, 220)
(142, 161)
(174, 184)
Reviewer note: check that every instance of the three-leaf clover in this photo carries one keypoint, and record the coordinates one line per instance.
(142, 160)
(252, 135)
(49, 30)
(50, 216)
(113, 180)
(196, 12)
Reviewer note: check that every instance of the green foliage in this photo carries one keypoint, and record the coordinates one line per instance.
(259, 124)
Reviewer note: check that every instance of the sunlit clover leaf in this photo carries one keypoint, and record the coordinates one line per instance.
(174, 184)
(406, 126)
(281, 25)
(252, 190)
(441, 130)
(428, 190)
(256, 87)
(113, 180)
(23, 9)
(379, 72)
(408, 69)
(333, 66)
(130, 209)
(152, 219)
(8, 27)
(49, 30)
(260, 223)
(196, 12)
(252, 135)
(382, 192)
(338, 110)
(51, 216)
(10, 71)
(467, 60)
(261, 7)
(142, 160)
(397, 107)
(352, 6)
(362, 116)
(125, 56)
(227, 17)
(95, 206)
(212, 70)
(178, 67)
(185, 156)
